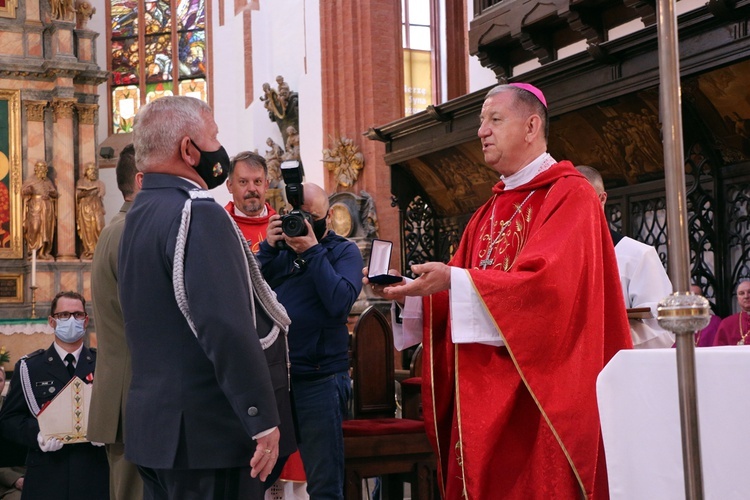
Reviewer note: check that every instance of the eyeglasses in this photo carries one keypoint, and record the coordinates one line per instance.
(79, 315)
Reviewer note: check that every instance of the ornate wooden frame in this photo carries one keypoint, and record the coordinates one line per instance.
(11, 244)
(8, 8)
(11, 281)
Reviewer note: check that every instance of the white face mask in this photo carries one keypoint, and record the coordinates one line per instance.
(69, 330)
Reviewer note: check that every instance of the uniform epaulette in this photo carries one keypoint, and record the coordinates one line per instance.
(32, 354)
(92, 349)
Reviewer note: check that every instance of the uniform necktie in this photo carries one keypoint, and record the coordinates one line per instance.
(69, 360)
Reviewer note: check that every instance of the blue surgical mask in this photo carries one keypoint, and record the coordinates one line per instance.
(69, 330)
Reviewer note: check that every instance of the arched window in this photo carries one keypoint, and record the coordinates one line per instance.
(157, 48)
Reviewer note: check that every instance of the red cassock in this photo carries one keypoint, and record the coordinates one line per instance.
(253, 228)
(521, 421)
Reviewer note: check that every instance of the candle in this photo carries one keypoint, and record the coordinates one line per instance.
(33, 267)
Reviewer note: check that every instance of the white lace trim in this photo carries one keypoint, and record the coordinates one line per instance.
(526, 174)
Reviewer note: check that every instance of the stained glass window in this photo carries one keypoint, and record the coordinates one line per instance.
(193, 54)
(149, 59)
(191, 15)
(158, 17)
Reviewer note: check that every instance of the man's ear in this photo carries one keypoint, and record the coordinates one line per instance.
(139, 180)
(188, 152)
(533, 127)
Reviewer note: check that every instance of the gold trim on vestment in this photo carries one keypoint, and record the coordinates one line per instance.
(523, 379)
(441, 484)
(459, 443)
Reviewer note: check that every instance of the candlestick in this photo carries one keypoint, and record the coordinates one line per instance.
(33, 302)
(33, 268)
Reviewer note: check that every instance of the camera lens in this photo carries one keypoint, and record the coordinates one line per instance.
(293, 225)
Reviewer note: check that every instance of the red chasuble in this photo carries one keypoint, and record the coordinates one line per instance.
(521, 421)
(253, 228)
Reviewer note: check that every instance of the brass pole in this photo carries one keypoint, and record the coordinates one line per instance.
(679, 255)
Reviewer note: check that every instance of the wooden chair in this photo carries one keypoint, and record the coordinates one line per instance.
(375, 442)
(411, 388)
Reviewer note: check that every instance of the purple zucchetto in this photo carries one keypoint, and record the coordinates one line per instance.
(533, 90)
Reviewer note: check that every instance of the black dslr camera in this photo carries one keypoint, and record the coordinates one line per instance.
(293, 223)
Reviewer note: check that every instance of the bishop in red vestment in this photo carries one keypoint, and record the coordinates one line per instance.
(513, 414)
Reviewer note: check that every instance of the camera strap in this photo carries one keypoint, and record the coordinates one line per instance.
(299, 265)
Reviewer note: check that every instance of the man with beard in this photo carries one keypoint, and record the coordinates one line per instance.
(247, 183)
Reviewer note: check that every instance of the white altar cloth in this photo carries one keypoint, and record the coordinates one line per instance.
(639, 410)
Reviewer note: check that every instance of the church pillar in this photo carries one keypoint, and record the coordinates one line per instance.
(34, 134)
(32, 11)
(358, 36)
(63, 161)
(61, 41)
(86, 135)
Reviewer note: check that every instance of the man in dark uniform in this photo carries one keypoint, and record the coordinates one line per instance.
(205, 333)
(55, 470)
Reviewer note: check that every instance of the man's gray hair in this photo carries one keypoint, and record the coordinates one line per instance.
(160, 125)
(525, 100)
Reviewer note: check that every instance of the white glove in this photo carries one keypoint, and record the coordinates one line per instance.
(52, 444)
(98, 445)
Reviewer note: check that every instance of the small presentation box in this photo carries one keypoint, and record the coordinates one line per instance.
(380, 261)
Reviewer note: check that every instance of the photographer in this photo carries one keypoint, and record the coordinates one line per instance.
(317, 277)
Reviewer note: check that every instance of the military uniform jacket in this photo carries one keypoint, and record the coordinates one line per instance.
(77, 471)
(196, 398)
(113, 373)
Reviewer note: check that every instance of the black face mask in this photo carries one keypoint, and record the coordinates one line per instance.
(319, 228)
(213, 166)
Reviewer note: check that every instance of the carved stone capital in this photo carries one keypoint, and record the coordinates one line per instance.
(35, 110)
(87, 113)
(63, 108)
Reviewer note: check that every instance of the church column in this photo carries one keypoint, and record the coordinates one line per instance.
(87, 114)
(32, 11)
(61, 44)
(34, 134)
(360, 36)
(63, 162)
